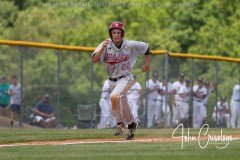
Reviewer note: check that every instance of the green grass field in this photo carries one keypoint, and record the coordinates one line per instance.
(105, 151)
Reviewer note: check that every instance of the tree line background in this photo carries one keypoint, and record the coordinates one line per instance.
(196, 26)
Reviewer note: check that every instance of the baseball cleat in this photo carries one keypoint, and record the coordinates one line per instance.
(120, 129)
(132, 128)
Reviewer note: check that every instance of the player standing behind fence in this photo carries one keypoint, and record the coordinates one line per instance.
(16, 99)
(222, 110)
(119, 56)
(199, 109)
(210, 88)
(235, 106)
(184, 98)
(4, 97)
(134, 95)
(163, 102)
(153, 110)
(106, 119)
(176, 99)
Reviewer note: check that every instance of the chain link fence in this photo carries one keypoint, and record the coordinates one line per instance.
(72, 80)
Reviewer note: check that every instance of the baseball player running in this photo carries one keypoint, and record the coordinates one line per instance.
(199, 109)
(235, 106)
(106, 119)
(119, 56)
(133, 95)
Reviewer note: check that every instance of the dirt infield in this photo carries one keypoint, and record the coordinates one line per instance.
(92, 141)
(95, 141)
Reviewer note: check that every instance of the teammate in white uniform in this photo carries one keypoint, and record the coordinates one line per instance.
(119, 56)
(106, 119)
(184, 98)
(199, 109)
(210, 89)
(163, 103)
(154, 111)
(16, 99)
(235, 106)
(222, 110)
(176, 99)
(134, 95)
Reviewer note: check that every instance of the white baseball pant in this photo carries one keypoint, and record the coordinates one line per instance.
(154, 112)
(235, 113)
(166, 114)
(176, 113)
(120, 106)
(199, 114)
(134, 106)
(184, 107)
(106, 118)
(222, 117)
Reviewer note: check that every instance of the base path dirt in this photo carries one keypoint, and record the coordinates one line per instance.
(94, 141)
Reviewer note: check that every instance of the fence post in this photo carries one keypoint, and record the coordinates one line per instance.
(166, 56)
(191, 93)
(58, 83)
(145, 106)
(92, 93)
(22, 50)
(216, 91)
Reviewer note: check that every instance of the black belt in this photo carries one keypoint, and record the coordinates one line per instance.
(105, 98)
(116, 79)
(237, 100)
(185, 101)
(198, 100)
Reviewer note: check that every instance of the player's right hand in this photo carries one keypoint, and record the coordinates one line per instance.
(104, 45)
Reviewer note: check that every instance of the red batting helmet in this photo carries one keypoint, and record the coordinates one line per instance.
(118, 25)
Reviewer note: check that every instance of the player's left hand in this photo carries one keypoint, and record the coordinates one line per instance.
(145, 68)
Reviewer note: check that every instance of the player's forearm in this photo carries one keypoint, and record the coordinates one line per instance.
(147, 60)
(39, 113)
(96, 56)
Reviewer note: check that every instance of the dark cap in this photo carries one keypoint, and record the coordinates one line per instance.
(155, 74)
(223, 98)
(46, 96)
(207, 83)
(200, 79)
(181, 75)
(187, 80)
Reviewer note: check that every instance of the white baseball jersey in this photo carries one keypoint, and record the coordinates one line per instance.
(153, 87)
(16, 97)
(186, 91)
(176, 86)
(105, 90)
(202, 90)
(134, 92)
(236, 93)
(163, 88)
(220, 106)
(119, 62)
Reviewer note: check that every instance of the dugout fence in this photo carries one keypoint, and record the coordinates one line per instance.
(71, 79)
